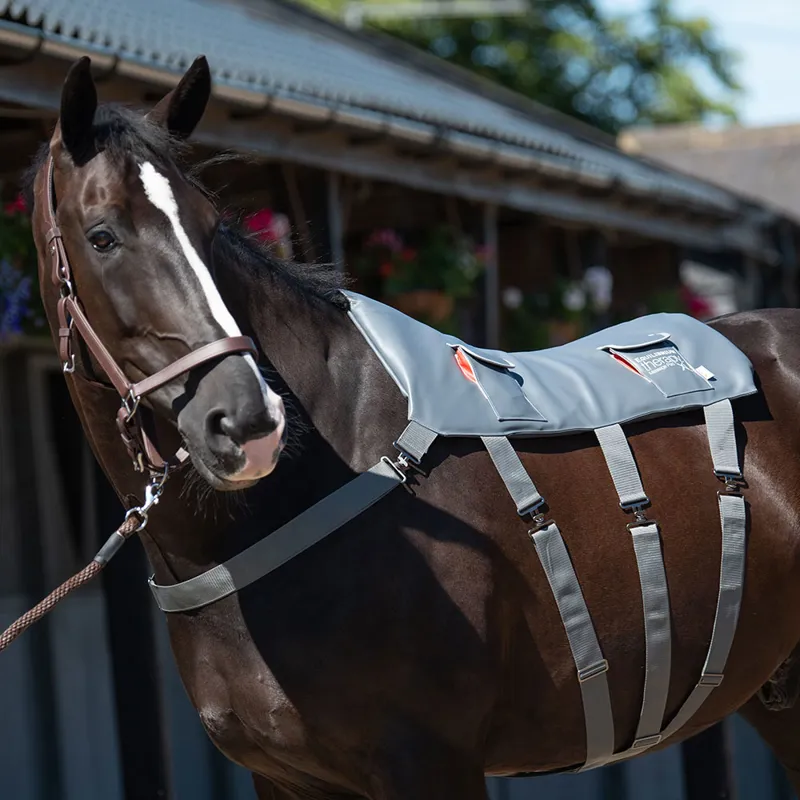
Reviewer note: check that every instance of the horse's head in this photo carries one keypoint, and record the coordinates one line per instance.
(138, 235)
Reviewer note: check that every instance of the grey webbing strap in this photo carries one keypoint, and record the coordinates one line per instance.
(291, 539)
(621, 466)
(653, 584)
(589, 661)
(733, 518)
(517, 481)
(415, 440)
(657, 633)
(722, 438)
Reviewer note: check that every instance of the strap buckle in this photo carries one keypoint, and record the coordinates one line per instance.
(592, 671)
(68, 367)
(540, 520)
(710, 679)
(734, 483)
(400, 466)
(647, 741)
(640, 519)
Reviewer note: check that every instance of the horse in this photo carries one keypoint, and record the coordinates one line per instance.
(418, 648)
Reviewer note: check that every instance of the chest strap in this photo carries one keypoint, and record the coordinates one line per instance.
(288, 541)
(297, 535)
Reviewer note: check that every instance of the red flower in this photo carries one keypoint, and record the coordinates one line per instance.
(16, 206)
(409, 254)
(386, 270)
(259, 221)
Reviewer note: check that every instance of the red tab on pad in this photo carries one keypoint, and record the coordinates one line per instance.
(463, 364)
(625, 363)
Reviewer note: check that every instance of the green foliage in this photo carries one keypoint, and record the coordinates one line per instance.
(609, 70)
(445, 261)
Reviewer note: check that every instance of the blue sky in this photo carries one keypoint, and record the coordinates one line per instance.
(766, 33)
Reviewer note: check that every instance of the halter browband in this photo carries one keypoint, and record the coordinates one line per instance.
(71, 316)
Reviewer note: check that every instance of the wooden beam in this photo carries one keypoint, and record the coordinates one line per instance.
(335, 219)
(789, 264)
(33, 84)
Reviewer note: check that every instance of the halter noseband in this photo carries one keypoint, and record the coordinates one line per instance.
(71, 316)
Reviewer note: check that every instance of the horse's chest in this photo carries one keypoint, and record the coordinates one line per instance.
(238, 699)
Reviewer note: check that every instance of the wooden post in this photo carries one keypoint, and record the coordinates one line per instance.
(335, 219)
(707, 770)
(789, 265)
(753, 285)
(44, 714)
(492, 282)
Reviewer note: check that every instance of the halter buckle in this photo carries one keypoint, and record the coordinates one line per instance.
(68, 367)
(131, 405)
(66, 289)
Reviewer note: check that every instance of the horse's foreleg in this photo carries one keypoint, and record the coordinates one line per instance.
(267, 790)
(421, 770)
(781, 731)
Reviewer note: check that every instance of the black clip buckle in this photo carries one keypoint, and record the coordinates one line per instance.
(640, 519)
(539, 518)
(733, 484)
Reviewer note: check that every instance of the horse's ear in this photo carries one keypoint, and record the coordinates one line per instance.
(78, 104)
(181, 110)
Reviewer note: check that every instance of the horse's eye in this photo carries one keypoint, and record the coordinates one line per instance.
(102, 241)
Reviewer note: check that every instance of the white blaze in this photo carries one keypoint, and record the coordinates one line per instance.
(159, 193)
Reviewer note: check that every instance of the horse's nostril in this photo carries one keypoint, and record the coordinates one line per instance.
(216, 422)
(239, 426)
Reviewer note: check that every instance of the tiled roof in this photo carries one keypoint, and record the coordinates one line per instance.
(275, 48)
(758, 163)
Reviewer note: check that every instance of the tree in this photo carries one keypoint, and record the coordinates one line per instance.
(609, 70)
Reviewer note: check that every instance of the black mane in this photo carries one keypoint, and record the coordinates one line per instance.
(123, 134)
(313, 281)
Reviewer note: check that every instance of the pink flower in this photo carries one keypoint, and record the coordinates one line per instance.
(696, 306)
(385, 237)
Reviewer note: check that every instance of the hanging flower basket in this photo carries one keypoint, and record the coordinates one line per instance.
(428, 304)
(428, 282)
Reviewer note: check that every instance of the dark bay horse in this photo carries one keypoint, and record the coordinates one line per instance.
(419, 647)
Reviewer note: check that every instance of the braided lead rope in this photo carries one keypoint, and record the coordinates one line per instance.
(135, 520)
(129, 527)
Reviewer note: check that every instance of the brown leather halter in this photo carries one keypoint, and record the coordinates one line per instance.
(71, 316)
